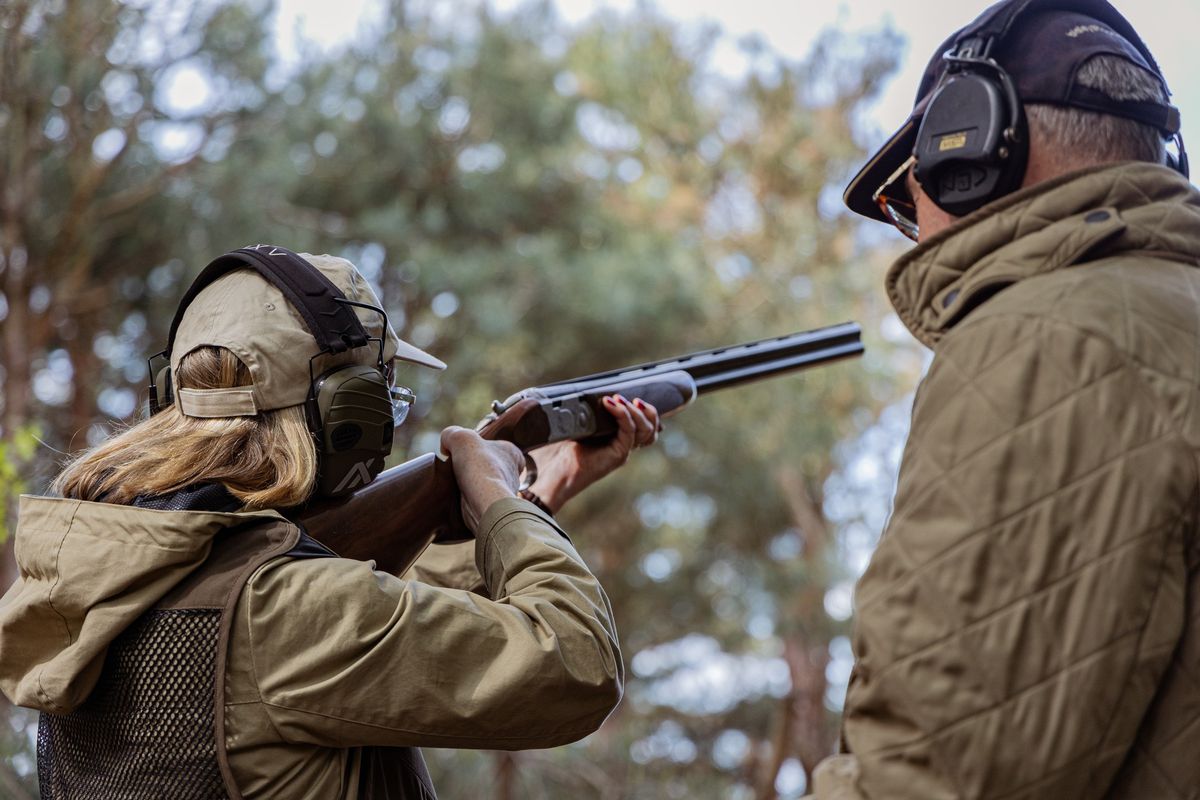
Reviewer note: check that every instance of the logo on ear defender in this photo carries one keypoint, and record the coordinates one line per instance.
(952, 141)
(360, 475)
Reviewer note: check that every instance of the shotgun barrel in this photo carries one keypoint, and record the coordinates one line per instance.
(395, 517)
(572, 409)
(723, 367)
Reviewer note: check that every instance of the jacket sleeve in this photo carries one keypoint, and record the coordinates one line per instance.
(344, 655)
(448, 565)
(1024, 601)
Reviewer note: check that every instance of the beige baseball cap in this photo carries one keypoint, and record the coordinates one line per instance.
(243, 312)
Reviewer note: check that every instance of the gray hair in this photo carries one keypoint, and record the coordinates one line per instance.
(1093, 137)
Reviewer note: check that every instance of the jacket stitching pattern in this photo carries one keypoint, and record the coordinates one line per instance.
(914, 447)
(1119, 369)
(1129, 671)
(1033, 687)
(899, 659)
(1172, 432)
(1141, 310)
(919, 495)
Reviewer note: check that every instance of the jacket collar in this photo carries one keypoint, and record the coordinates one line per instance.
(1074, 218)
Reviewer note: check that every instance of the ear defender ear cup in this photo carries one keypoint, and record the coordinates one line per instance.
(161, 393)
(970, 150)
(353, 427)
(166, 391)
(1178, 161)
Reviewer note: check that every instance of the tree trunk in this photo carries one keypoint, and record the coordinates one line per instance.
(17, 350)
(506, 776)
(806, 666)
(11, 784)
(805, 651)
(780, 746)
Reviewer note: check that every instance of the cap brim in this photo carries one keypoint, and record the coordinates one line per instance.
(415, 355)
(859, 193)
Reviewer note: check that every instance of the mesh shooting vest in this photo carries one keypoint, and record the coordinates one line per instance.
(153, 728)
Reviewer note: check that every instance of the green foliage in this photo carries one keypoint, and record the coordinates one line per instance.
(100, 208)
(536, 202)
(16, 455)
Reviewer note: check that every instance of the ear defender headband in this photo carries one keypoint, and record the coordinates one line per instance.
(972, 146)
(349, 409)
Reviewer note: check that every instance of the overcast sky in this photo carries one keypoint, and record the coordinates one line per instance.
(791, 27)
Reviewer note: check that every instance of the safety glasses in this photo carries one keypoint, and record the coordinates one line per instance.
(402, 400)
(896, 203)
(402, 397)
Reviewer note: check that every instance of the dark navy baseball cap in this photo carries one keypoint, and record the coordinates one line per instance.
(1041, 44)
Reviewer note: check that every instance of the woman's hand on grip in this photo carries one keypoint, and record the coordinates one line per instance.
(564, 469)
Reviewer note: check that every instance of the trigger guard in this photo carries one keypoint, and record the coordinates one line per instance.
(529, 476)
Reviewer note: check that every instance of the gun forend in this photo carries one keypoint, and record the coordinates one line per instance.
(531, 419)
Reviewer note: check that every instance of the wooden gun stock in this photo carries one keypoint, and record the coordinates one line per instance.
(406, 508)
(394, 518)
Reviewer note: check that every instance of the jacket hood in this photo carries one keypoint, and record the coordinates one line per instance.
(88, 570)
(1082, 216)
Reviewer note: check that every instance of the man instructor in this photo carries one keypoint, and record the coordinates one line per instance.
(1027, 627)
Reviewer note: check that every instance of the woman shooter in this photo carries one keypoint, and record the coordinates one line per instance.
(183, 639)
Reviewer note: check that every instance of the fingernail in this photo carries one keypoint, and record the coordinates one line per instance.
(638, 402)
(622, 399)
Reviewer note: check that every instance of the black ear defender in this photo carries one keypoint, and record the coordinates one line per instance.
(1178, 160)
(350, 409)
(973, 143)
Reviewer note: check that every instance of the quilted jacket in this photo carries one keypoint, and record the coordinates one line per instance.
(1028, 626)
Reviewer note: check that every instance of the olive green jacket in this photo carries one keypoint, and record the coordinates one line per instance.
(1029, 625)
(325, 654)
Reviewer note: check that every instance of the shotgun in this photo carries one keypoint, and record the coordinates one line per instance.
(395, 517)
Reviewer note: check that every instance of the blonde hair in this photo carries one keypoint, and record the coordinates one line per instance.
(266, 461)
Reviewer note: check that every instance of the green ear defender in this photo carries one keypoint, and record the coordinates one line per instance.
(353, 425)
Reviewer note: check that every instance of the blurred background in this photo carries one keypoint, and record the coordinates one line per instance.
(539, 190)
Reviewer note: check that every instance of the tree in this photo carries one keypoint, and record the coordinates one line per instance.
(93, 147)
(536, 202)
